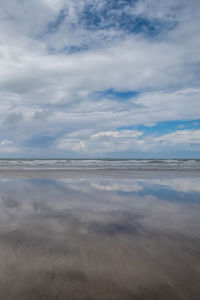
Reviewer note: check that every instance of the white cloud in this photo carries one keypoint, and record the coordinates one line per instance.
(5, 143)
(184, 185)
(6, 147)
(46, 94)
(181, 137)
(122, 186)
(71, 144)
(117, 134)
(107, 142)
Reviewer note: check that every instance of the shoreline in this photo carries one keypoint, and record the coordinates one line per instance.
(115, 173)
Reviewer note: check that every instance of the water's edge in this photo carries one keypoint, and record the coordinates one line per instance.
(106, 173)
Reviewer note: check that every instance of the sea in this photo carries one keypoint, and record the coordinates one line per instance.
(100, 164)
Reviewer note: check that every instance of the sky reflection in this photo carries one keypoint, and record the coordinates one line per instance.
(111, 231)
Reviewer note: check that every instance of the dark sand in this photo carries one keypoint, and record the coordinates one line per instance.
(99, 235)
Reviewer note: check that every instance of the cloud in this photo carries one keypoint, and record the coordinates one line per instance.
(99, 142)
(5, 143)
(117, 134)
(181, 137)
(189, 185)
(7, 147)
(66, 71)
(108, 142)
(121, 187)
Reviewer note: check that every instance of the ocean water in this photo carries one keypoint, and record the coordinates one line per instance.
(99, 164)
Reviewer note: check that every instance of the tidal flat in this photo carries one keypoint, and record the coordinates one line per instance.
(100, 237)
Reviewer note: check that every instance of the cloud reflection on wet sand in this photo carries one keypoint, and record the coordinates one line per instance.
(99, 239)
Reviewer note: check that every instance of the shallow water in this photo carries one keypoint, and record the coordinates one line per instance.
(100, 238)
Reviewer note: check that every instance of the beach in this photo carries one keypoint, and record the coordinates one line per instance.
(103, 232)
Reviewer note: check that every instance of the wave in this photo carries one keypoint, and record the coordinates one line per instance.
(89, 164)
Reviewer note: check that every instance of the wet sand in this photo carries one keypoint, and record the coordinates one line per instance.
(100, 237)
(109, 173)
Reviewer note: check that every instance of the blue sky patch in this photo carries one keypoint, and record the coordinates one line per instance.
(54, 25)
(116, 15)
(113, 94)
(162, 128)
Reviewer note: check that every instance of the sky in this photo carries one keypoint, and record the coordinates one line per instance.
(100, 79)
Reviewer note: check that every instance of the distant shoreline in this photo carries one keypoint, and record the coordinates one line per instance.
(105, 159)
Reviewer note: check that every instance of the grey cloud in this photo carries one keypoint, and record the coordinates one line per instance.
(13, 119)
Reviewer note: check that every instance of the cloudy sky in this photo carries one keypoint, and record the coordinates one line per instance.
(109, 78)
